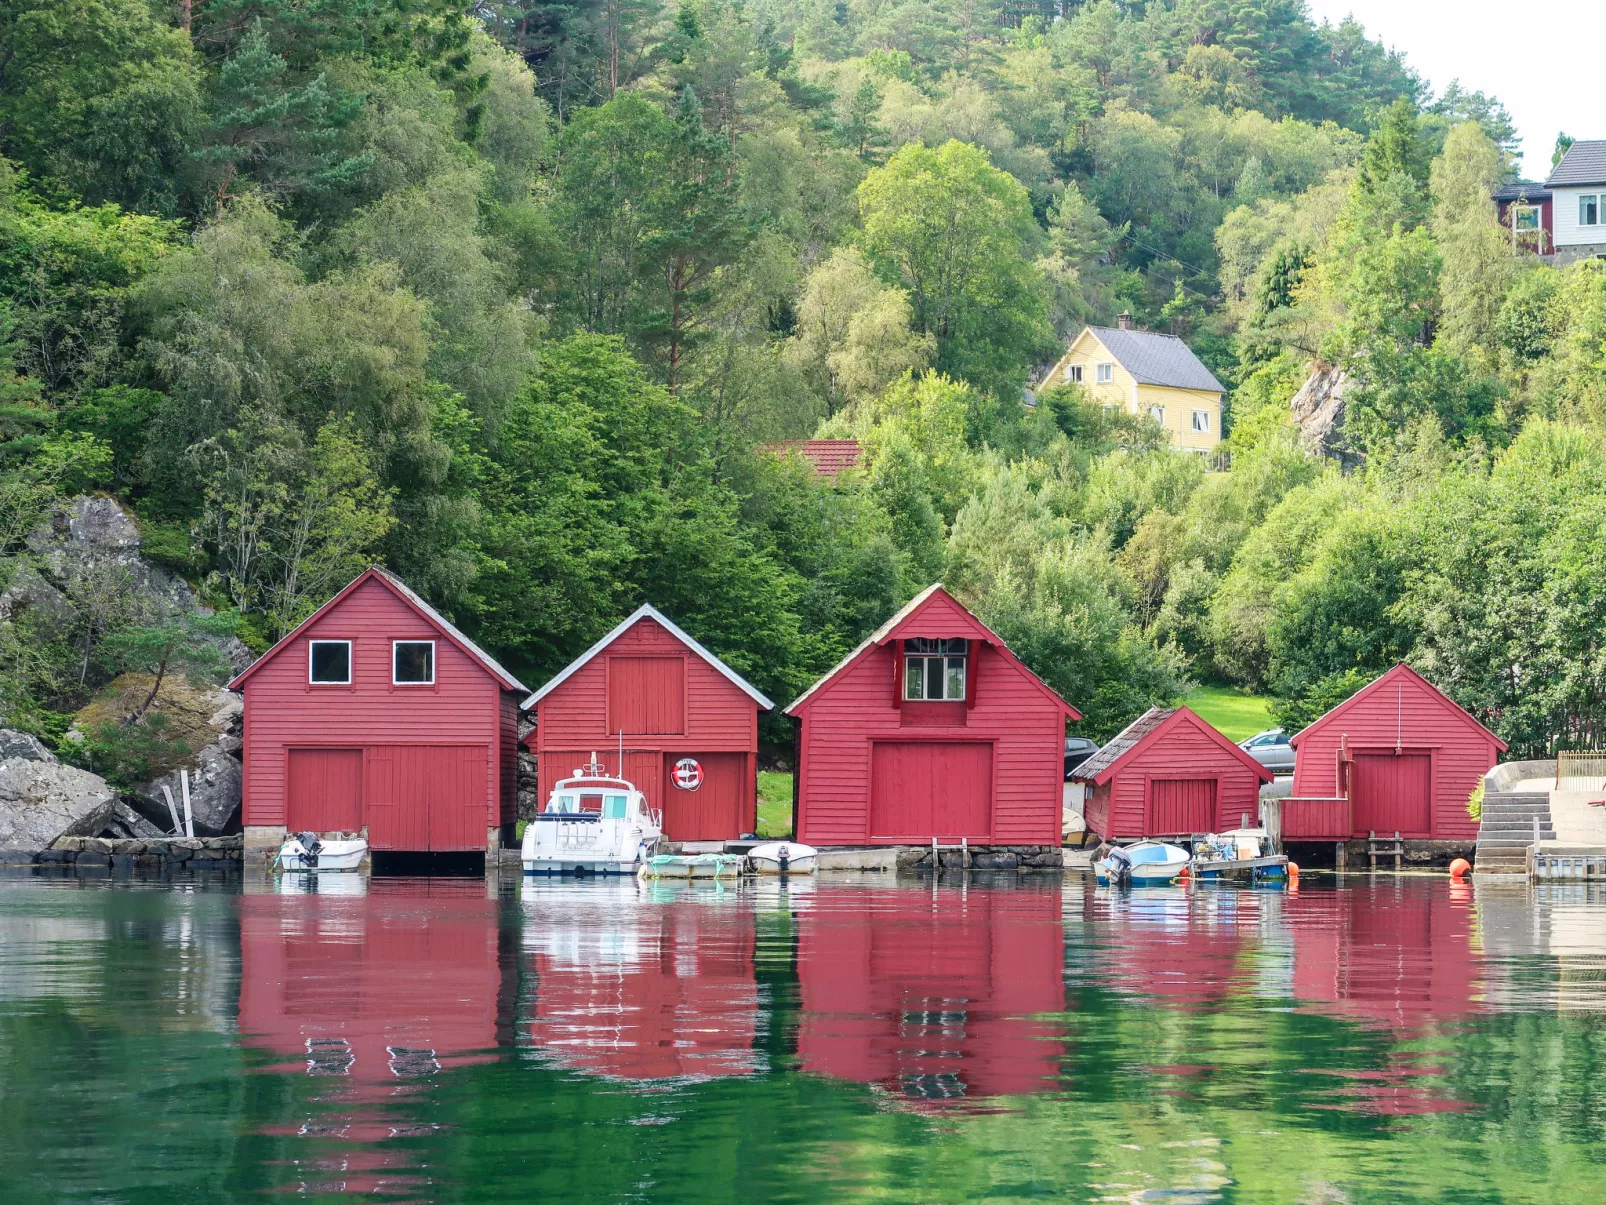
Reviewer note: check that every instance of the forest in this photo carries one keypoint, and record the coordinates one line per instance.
(513, 297)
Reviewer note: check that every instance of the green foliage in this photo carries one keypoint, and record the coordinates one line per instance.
(1314, 699)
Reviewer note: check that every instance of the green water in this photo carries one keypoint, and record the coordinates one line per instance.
(855, 1040)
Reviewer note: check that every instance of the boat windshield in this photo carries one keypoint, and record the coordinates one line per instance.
(569, 804)
(613, 807)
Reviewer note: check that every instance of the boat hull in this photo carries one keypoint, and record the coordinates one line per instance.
(766, 858)
(328, 858)
(579, 866)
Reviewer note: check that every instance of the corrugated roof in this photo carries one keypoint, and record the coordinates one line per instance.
(1112, 751)
(1156, 359)
(648, 611)
(1584, 163)
(829, 457)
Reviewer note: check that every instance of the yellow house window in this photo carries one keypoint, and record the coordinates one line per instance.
(1201, 420)
(1073, 374)
(1105, 372)
(1157, 413)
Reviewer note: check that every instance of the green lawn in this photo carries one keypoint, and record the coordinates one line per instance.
(1236, 714)
(774, 804)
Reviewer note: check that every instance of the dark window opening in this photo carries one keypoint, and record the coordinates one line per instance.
(331, 662)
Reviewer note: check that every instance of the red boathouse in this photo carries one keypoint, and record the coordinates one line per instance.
(1170, 774)
(377, 715)
(1399, 755)
(930, 729)
(689, 725)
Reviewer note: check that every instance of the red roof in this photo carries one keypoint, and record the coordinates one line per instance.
(828, 456)
(424, 611)
(1400, 670)
(905, 616)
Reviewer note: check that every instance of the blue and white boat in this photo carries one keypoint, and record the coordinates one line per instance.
(1146, 864)
(593, 823)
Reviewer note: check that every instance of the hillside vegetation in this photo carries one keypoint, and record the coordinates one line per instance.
(510, 297)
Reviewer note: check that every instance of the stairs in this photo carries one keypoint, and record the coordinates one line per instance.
(1507, 830)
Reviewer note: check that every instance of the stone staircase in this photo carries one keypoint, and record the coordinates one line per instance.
(1507, 830)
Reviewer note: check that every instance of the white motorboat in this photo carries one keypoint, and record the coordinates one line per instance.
(783, 857)
(308, 851)
(1146, 864)
(593, 823)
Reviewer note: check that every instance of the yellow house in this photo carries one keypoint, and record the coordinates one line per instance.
(1145, 373)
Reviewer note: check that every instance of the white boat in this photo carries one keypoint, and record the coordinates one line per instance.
(593, 823)
(308, 851)
(775, 856)
(692, 866)
(1146, 864)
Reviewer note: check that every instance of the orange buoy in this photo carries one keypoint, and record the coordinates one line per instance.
(1293, 870)
(1459, 868)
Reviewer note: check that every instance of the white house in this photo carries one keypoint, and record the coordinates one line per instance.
(1578, 191)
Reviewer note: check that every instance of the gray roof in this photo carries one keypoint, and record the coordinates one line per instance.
(1584, 163)
(1521, 190)
(1122, 741)
(1155, 359)
(648, 611)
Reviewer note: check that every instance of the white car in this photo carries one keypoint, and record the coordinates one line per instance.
(1271, 749)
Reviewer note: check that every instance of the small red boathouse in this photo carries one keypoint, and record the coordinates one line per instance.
(1399, 755)
(1170, 774)
(377, 715)
(689, 725)
(931, 728)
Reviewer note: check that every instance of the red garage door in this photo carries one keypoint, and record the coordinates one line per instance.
(427, 798)
(713, 812)
(925, 789)
(324, 791)
(1393, 792)
(1180, 806)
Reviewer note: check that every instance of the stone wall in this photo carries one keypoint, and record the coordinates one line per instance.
(145, 854)
(983, 857)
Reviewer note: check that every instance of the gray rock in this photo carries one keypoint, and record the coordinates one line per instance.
(40, 801)
(995, 861)
(20, 744)
(1319, 409)
(29, 594)
(215, 786)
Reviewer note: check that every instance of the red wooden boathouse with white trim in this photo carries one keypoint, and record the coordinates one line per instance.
(1169, 773)
(931, 728)
(1399, 755)
(377, 715)
(687, 721)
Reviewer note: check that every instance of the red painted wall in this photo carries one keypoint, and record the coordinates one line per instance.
(1400, 710)
(1185, 751)
(464, 709)
(854, 708)
(715, 718)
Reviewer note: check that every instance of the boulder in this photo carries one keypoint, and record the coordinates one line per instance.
(1319, 408)
(21, 744)
(29, 595)
(42, 800)
(215, 783)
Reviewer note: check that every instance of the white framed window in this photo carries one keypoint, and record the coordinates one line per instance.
(1201, 420)
(1589, 209)
(1157, 413)
(1073, 373)
(1525, 217)
(329, 662)
(1104, 373)
(934, 669)
(412, 662)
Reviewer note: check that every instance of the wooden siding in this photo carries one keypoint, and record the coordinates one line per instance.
(283, 710)
(1402, 712)
(717, 719)
(325, 790)
(1181, 805)
(1568, 232)
(647, 695)
(1022, 722)
(925, 789)
(1184, 751)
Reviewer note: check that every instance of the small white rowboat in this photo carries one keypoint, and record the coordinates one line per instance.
(778, 857)
(307, 851)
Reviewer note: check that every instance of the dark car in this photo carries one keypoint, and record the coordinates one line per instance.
(1077, 750)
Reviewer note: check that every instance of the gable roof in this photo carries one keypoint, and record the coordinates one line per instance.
(907, 612)
(1151, 726)
(830, 457)
(1584, 163)
(1401, 670)
(402, 591)
(648, 611)
(1156, 359)
(1521, 190)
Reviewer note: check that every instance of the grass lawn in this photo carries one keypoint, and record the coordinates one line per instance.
(1236, 714)
(774, 804)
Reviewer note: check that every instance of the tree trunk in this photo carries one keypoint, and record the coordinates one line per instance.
(161, 672)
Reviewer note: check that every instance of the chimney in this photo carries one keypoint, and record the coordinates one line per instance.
(1123, 320)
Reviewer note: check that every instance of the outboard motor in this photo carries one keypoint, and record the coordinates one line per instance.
(310, 847)
(1120, 867)
(784, 857)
